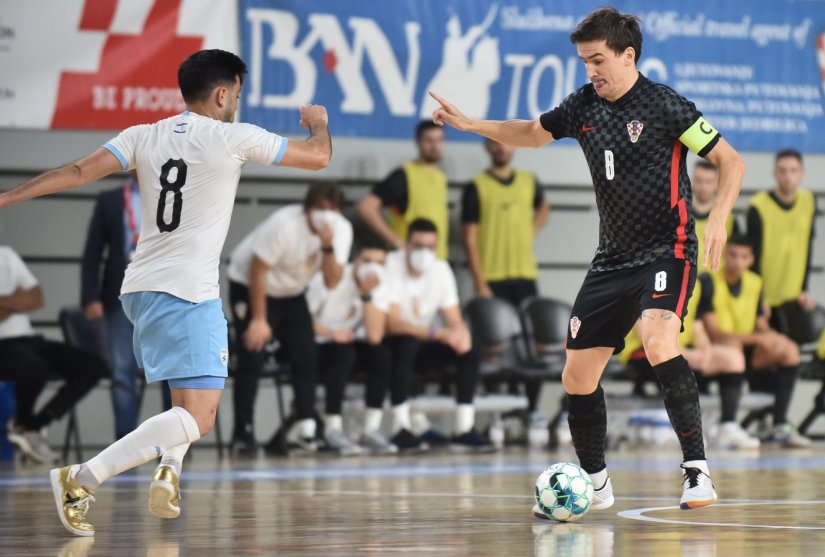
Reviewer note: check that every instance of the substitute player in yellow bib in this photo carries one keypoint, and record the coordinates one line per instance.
(781, 229)
(502, 209)
(634, 134)
(732, 311)
(416, 190)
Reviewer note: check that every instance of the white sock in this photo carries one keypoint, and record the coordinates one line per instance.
(420, 422)
(334, 421)
(465, 418)
(599, 479)
(174, 458)
(401, 417)
(154, 436)
(306, 428)
(700, 464)
(372, 420)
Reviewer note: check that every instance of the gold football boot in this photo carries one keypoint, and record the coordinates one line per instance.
(164, 493)
(72, 500)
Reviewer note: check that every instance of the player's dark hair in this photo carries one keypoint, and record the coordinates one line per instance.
(421, 225)
(707, 165)
(319, 192)
(204, 70)
(740, 240)
(788, 153)
(425, 125)
(371, 242)
(608, 24)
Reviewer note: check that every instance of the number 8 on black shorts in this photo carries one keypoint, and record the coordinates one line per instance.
(610, 302)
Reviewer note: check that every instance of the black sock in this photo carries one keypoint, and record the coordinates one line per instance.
(681, 396)
(587, 417)
(730, 391)
(785, 381)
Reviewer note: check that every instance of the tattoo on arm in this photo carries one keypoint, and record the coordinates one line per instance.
(658, 314)
(322, 132)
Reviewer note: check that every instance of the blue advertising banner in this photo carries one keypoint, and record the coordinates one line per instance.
(754, 67)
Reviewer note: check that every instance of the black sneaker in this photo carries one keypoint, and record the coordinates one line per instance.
(407, 442)
(435, 438)
(471, 442)
(244, 446)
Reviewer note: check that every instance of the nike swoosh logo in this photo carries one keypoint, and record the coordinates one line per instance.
(689, 433)
(586, 129)
(661, 295)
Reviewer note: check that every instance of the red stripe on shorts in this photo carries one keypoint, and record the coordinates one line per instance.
(683, 293)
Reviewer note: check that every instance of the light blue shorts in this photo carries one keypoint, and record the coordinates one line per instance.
(177, 339)
(202, 382)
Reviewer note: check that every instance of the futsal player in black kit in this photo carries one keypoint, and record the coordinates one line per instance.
(635, 135)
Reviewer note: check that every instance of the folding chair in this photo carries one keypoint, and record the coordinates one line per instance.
(80, 332)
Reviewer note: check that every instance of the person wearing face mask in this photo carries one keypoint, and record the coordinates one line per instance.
(416, 190)
(426, 332)
(268, 273)
(350, 320)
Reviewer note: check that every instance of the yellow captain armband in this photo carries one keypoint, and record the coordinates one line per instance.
(701, 137)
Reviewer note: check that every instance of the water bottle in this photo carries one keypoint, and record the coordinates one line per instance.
(8, 410)
(497, 433)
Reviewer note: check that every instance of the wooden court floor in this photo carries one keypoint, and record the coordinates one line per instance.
(771, 503)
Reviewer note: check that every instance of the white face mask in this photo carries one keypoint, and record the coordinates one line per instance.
(321, 217)
(372, 268)
(422, 259)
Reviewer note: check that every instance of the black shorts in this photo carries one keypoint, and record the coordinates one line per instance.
(610, 302)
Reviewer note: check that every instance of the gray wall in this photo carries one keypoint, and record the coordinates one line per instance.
(49, 233)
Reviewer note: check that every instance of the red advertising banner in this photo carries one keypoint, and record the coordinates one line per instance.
(109, 64)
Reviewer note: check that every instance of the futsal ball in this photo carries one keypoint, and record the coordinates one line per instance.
(564, 492)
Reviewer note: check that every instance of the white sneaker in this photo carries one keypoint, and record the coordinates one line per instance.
(603, 496)
(31, 444)
(376, 443)
(538, 514)
(698, 489)
(733, 437)
(787, 436)
(338, 441)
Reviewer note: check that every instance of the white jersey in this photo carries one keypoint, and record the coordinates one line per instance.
(420, 299)
(188, 169)
(285, 242)
(341, 307)
(14, 275)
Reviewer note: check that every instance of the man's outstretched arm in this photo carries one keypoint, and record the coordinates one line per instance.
(90, 168)
(518, 133)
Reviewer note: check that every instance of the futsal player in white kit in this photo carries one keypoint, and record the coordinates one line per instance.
(188, 168)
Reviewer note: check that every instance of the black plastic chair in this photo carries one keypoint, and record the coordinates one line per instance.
(545, 326)
(809, 330)
(80, 332)
(803, 327)
(496, 330)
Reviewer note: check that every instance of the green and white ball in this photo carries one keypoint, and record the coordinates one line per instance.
(564, 492)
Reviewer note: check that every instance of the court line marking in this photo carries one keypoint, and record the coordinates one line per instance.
(639, 514)
(343, 471)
